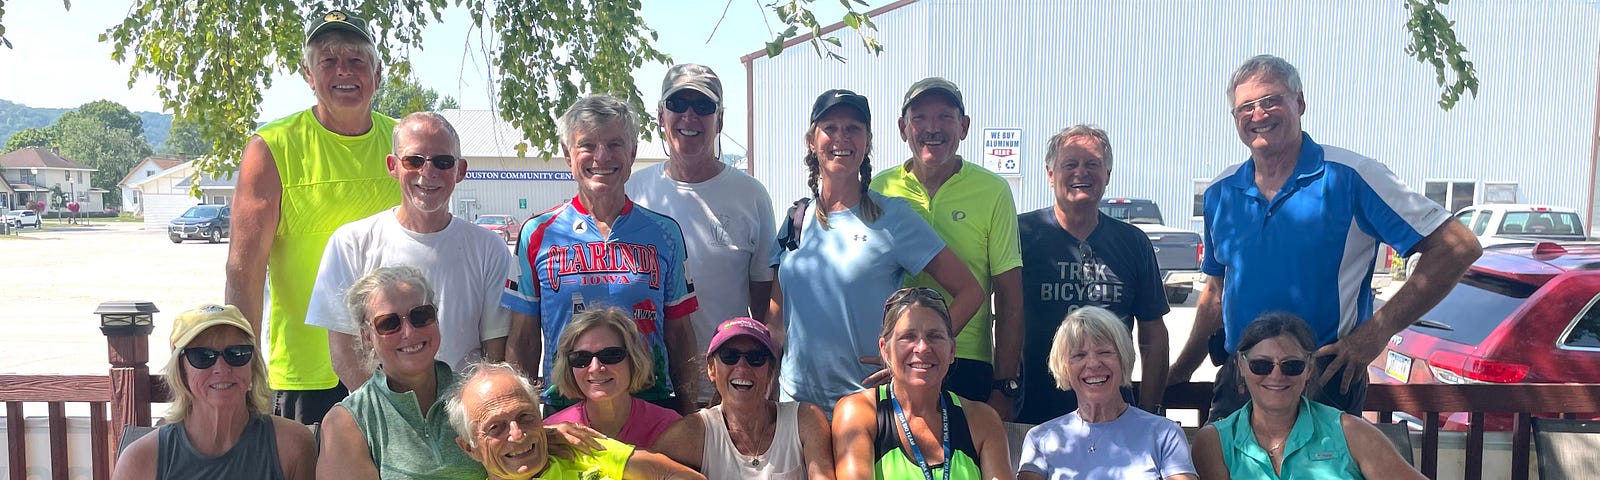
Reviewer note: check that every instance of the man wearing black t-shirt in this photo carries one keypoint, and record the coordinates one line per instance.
(1074, 256)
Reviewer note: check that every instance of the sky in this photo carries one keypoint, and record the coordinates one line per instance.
(57, 61)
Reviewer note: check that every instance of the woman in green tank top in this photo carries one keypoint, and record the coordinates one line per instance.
(912, 428)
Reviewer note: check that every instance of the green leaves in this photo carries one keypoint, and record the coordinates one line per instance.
(1434, 42)
(797, 14)
(402, 96)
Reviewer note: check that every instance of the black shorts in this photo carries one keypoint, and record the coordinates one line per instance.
(307, 406)
(971, 379)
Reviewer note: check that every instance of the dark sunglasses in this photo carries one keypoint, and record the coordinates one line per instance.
(1263, 367)
(607, 356)
(202, 358)
(755, 358)
(414, 162)
(701, 106)
(910, 294)
(421, 316)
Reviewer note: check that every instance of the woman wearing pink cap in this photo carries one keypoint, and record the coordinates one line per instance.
(749, 436)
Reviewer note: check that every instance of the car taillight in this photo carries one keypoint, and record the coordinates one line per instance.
(1469, 368)
(1200, 253)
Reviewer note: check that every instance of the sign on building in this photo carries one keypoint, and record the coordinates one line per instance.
(1002, 151)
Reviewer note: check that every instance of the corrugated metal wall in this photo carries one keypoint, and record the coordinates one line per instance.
(1153, 74)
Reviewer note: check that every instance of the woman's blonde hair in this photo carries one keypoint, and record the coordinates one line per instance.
(1077, 329)
(640, 363)
(258, 401)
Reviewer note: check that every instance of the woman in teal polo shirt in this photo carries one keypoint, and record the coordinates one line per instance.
(1280, 434)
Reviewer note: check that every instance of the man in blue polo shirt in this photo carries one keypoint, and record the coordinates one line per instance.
(1296, 228)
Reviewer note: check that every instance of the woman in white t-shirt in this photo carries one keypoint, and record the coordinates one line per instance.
(1105, 438)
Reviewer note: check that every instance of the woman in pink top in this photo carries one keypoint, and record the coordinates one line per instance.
(601, 358)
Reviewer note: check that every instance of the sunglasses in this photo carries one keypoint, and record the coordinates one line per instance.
(202, 358)
(755, 358)
(701, 107)
(1263, 367)
(414, 162)
(910, 294)
(421, 316)
(1266, 104)
(607, 356)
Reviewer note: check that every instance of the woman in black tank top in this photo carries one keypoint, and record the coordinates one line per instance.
(219, 425)
(912, 427)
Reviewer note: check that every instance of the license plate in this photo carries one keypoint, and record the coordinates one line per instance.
(1398, 367)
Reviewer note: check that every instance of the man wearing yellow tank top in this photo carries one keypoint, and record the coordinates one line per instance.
(301, 177)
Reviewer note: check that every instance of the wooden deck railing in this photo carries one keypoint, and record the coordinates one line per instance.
(127, 391)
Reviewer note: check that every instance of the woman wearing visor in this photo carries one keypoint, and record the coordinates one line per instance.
(220, 424)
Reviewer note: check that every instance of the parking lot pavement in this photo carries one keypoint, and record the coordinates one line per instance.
(54, 279)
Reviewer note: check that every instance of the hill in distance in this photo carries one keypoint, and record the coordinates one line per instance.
(16, 117)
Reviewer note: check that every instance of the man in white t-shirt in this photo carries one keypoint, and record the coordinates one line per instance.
(465, 262)
(725, 214)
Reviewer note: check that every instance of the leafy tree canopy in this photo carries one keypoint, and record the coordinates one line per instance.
(101, 134)
(33, 137)
(402, 96)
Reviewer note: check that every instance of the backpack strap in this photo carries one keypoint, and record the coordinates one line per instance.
(790, 238)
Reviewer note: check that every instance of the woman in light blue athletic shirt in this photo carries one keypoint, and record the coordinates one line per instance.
(1280, 433)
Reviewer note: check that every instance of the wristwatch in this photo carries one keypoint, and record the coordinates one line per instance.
(1007, 386)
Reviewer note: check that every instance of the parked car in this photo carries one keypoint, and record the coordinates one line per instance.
(1177, 250)
(1503, 223)
(208, 222)
(505, 225)
(23, 218)
(1521, 314)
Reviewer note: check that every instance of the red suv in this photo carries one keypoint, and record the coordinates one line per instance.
(1522, 314)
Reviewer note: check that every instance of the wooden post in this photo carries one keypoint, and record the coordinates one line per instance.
(127, 326)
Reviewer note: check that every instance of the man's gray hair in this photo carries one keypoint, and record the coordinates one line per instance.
(1080, 130)
(426, 118)
(595, 110)
(460, 420)
(1269, 65)
(341, 40)
(357, 296)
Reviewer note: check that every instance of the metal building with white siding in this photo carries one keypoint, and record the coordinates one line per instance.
(1153, 74)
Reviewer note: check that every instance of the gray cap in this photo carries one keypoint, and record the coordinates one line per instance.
(692, 76)
(338, 20)
(933, 84)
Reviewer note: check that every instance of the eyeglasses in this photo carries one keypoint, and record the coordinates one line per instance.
(701, 107)
(202, 358)
(1291, 368)
(414, 162)
(755, 358)
(1266, 104)
(421, 316)
(910, 294)
(607, 356)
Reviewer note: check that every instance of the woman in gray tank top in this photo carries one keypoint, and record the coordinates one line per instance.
(219, 424)
(749, 436)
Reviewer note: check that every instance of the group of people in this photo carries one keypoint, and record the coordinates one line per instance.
(424, 349)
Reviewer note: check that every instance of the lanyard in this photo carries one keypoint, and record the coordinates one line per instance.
(911, 440)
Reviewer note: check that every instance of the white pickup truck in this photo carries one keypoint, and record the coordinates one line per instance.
(1177, 250)
(1516, 223)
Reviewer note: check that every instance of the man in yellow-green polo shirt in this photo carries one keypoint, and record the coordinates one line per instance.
(973, 212)
(301, 177)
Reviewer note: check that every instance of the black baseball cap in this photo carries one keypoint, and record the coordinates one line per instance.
(338, 20)
(837, 97)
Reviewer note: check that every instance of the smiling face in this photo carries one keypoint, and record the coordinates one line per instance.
(340, 70)
(920, 349)
(740, 382)
(508, 430)
(221, 384)
(599, 381)
(601, 158)
(1271, 126)
(1095, 371)
(841, 141)
(933, 127)
(410, 350)
(425, 190)
(1079, 174)
(1274, 389)
(690, 135)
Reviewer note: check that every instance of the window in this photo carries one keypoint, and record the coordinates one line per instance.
(1200, 185)
(135, 197)
(219, 200)
(1585, 330)
(30, 178)
(150, 173)
(1499, 192)
(1483, 224)
(1453, 194)
(1466, 217)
